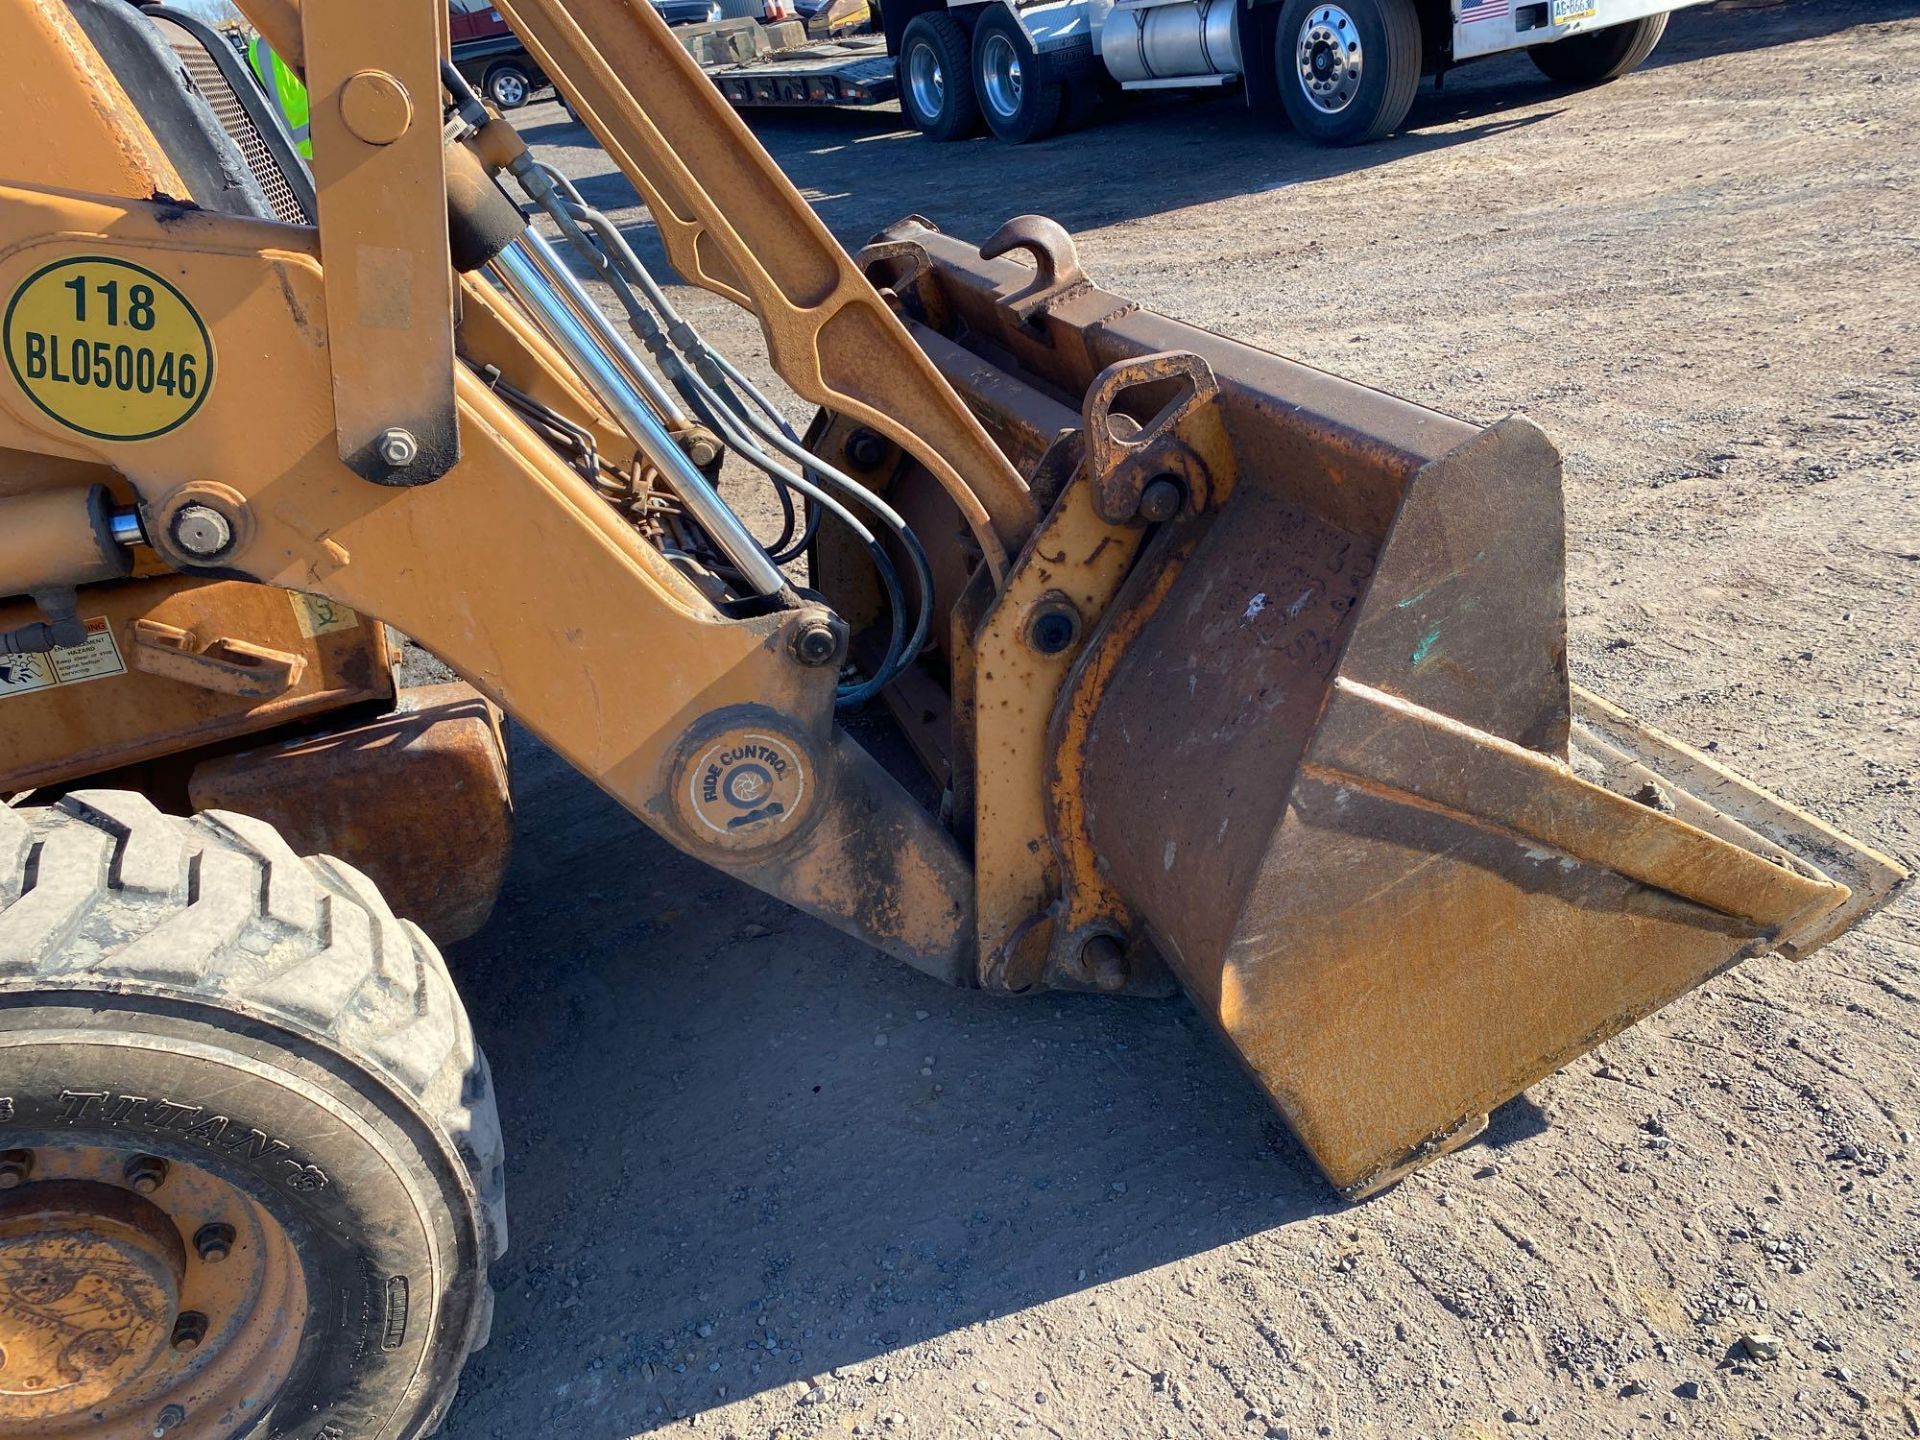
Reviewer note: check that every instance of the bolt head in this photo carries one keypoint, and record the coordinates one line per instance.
(815, 642)
(865, 449)
(201, 531)
(16, 1168)
(1104, 960)
(1161, 498)
(398, 447)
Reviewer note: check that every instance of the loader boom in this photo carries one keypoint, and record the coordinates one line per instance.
(1235, 674)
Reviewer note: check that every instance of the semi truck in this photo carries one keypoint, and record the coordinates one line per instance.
(1345, 71)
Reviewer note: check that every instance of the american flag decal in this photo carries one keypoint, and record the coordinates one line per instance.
(1472, 10)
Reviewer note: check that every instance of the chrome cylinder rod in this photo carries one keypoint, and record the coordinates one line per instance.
(595, 355)
(554, 270)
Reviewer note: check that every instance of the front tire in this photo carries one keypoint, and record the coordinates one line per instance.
(1599, 55)
(508, 86)
(1020, 102)
(936, 90)
(1347, 69)
(248, 1096)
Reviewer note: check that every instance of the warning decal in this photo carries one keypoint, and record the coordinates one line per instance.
(93, 659)
(108, 348)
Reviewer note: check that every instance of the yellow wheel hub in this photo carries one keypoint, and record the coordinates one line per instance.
(138, 1298)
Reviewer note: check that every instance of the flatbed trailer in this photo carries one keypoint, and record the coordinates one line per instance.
(855, 70)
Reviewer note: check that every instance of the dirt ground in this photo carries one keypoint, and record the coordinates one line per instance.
(765, 1182)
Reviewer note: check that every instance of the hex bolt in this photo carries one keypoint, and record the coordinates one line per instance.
(1162, 498)
(16, 1168)
(213, 1242)
(866, 449)
(146, 1173)
(814, 642)
(1103, 960)
(189, 1330)
(169, 1417)
(398, 447)
(201, 531)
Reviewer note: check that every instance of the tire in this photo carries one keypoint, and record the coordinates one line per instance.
(1017, 99)
(1599, 55)
(508, 86)
(1334, 93)
(935, 76)
(192, 995)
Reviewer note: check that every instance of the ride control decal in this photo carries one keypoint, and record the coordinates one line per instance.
(107, 348)
(743, 788)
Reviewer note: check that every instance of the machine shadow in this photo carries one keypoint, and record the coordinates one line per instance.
(745, 1150)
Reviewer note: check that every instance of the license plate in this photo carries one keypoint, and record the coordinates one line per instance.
(1563, 12)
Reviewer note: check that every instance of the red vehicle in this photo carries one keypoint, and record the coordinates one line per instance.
(491, 56)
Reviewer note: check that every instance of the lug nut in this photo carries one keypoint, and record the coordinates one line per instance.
(866, 449)
(168, 1418)
(189, 1330)
(214, 1242)
(815, 642)
(201, 531)
(1161, 498)
(146, 1173)
(16, 1168)
(398, 447)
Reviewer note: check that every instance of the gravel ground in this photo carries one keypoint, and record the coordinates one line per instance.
(765, 1182)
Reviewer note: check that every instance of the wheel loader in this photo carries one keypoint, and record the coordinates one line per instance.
(1198, 669)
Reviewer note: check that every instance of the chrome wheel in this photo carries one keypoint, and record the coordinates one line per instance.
(1000, 76)
(1329, 58)
(926, 82)
(509, 90)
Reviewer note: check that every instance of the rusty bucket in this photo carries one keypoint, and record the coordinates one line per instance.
(1324, 746)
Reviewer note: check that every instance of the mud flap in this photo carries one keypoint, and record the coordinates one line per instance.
(1340, 779)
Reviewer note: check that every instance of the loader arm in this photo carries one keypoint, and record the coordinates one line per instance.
(1230, 672)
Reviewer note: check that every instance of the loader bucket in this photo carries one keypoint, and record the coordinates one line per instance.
(1368, 822)
(1327, 751)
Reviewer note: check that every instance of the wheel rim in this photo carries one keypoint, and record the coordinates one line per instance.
(138, 1297)
(926, 81)
(510, 90)
(1000, 76)
(1329, 59)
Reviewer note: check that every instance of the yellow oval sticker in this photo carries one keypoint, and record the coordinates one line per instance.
(108, 348)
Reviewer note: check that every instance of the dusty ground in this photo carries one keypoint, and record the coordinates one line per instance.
(764, 1181)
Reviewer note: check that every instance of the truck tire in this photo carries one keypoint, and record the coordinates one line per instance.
(508, 85)
(242, 1106)
(1019, 100)
(1347, 69)
(936, 91)
(1599, 55)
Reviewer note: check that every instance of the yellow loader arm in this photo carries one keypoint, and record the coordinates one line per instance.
(1233, 673)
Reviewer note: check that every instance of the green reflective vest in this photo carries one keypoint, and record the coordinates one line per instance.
(284, 85)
